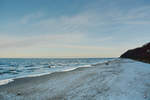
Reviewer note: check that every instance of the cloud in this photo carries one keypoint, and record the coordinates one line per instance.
(96, 28)
(35, 46)
(50, 40)
(85, 22)
(133, 16)
(19, 42)
(30, 17)
(65, 24)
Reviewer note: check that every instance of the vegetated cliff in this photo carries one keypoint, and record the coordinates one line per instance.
(140, 53)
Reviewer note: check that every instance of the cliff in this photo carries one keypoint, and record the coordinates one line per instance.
(140, 53)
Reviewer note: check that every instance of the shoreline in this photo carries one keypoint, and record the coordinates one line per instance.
(99, 81)
(9, 80)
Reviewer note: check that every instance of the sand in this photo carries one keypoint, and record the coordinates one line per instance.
(116, 80)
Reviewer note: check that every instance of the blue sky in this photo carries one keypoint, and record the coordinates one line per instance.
(72, 28)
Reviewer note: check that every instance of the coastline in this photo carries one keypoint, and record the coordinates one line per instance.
(103, 81)
(8, 80)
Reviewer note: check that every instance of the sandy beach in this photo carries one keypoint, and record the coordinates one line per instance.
(115, 80)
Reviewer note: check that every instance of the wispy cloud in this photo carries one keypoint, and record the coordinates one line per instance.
(30, 17)
(134, 16)
(9, 42)
(96, 28)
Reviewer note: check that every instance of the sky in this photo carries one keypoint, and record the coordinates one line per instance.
(72, 28)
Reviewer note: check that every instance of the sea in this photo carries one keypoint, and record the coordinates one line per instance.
(12, 68)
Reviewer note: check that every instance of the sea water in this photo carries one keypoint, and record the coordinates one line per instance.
(11, 68)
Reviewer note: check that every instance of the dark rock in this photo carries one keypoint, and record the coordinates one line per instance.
(107, 63)
(140, 54)
(18, 93)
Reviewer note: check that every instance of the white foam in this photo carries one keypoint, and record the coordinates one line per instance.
(36, 75)
(69, 69)
(6, 81)
(53, 66)
(85, 66)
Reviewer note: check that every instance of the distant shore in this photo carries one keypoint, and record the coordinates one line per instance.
(114, 80)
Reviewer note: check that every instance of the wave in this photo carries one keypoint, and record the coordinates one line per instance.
(6, 81)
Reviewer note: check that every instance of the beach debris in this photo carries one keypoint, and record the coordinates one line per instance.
(51, 66)
(107, 63)
(18, 93)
